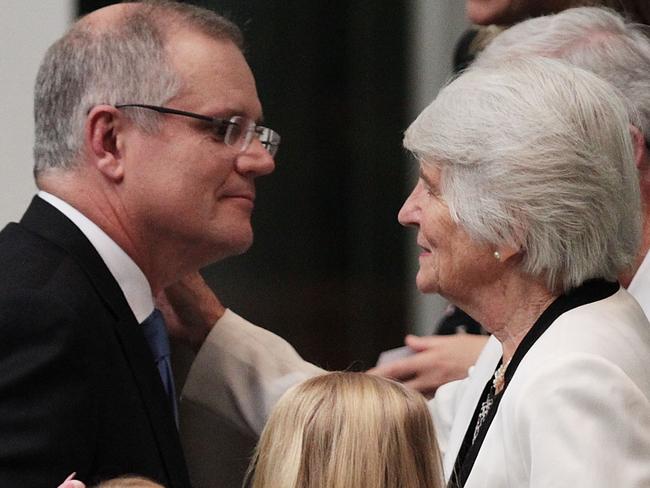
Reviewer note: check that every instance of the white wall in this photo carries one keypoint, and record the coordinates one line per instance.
(436, 25)
(27, 28)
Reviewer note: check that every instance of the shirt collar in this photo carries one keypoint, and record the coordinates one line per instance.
(129, 276)
(640, 285)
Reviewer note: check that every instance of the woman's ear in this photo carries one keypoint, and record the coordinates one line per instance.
(102, 135)
(504, 253)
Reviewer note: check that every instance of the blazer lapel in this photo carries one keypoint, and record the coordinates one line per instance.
(468, 398)
(45, 220)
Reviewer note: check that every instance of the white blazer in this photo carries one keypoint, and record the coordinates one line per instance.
(575, 414)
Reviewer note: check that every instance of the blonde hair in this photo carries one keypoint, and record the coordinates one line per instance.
(129, 482)
(348, 430)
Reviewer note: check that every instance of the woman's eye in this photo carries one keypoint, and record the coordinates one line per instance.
(431, 192)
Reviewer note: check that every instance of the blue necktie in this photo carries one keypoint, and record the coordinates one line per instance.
(156, 334)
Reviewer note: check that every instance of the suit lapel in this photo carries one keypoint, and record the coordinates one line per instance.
(45, 220)
(466, 402)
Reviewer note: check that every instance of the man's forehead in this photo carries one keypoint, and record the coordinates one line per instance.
(106, 17)
(213, 71)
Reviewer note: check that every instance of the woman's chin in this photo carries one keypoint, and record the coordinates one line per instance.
(426, 286)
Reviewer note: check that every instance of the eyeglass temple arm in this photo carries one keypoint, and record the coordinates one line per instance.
(165, 110)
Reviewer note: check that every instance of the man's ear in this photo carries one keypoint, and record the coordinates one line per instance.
(640, 148)
(103, 140)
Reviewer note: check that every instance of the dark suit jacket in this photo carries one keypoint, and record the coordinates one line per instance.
(78, 387)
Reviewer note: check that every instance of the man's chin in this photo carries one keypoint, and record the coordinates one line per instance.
(242, 248)
(234, 246)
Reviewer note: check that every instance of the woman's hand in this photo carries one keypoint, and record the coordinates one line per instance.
(439, 359)
(191, 309)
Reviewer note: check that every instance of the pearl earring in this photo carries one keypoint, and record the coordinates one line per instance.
(497, 255)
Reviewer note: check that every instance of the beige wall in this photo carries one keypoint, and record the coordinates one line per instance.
(435, 27)
(27, 28)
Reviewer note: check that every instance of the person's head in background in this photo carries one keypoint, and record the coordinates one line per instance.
(507, 12)
(348, 430)
(129, 482)
(121, 482)
(601, 41)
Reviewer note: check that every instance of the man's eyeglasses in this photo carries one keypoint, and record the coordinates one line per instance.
(237, 131)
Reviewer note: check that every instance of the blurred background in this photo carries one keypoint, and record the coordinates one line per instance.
(331, 270)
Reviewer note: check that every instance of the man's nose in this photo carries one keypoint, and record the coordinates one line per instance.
(256, 160)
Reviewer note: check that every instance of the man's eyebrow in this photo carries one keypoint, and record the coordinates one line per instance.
(227, 113)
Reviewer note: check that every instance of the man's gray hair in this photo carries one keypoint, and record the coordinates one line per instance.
(123, 63)
(537, 154)
(596, 39)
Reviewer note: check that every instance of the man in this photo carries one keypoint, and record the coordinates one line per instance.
(145, 157)
(619, 52)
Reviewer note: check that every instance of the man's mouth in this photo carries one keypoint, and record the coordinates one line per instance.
(245, 195)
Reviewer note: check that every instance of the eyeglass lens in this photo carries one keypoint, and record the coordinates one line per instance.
(240, 132)
(236, 131)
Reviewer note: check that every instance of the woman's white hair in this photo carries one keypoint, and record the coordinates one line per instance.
(126, 63)
(537, 154)
(596, 39)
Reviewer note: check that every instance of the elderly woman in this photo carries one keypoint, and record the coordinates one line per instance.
(560, 395)
(533, 256)
(600, 41)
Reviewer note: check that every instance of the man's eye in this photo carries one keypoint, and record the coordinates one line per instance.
(220, 128)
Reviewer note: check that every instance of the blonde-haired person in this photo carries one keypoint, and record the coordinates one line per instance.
(348, 430)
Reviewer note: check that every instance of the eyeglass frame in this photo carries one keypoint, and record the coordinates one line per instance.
(251, 130)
